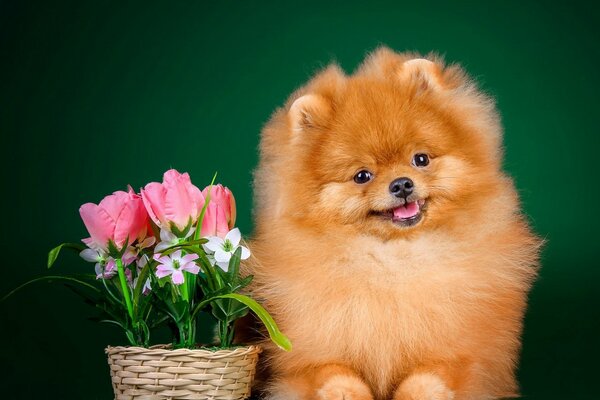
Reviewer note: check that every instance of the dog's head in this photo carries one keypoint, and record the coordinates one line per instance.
(402, 145)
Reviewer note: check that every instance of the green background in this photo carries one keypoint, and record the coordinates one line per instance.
(100, 94)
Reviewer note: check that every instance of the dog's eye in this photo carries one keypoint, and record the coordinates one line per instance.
(363, 176)
(420, 160)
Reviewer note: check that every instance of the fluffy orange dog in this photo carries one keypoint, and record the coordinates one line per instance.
(390, 246)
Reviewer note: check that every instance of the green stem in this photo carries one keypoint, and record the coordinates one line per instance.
(184, 291)
(224, 334)
(49, 279)
(181, 330)
(191, 335)
(125, 289)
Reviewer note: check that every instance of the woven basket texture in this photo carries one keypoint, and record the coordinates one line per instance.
(160, 373)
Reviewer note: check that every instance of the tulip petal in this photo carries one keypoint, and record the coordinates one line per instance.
(179, 206)
(125, 225)
(232, 210)
(113, 204)
(99, 224)
(89, 242)
(222, 198)
(137, 223)
(222, 225)
(198, 199)
(153, 196)
(209, 222)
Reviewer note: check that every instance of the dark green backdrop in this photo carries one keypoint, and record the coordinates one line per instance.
(95, 95)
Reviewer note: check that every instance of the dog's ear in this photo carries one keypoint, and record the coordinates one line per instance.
(312, 106)
(308, 112)
(410, 69)
(423, 73)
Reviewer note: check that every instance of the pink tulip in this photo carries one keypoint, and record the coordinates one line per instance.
(220, 212)
(119, 217)
(174, 201)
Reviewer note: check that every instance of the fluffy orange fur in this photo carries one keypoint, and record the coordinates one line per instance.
(377, 310)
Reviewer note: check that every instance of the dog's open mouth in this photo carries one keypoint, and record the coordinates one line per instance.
(408, 214)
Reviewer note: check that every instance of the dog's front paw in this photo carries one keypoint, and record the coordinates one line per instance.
(423, 386)
(342, 387)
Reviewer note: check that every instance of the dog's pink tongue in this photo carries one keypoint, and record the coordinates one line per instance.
(406, 211)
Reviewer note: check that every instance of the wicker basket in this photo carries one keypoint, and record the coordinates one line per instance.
(159, 373)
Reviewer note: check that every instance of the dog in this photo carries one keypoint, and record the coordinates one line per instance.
(389, 244)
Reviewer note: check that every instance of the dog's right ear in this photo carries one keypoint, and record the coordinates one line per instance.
(312, 107)
(309, 112)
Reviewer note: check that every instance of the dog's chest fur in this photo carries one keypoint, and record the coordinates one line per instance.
(383, 307)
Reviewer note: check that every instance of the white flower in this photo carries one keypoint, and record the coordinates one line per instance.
(168, 239)
(105, 266)
(147, 287)
(223, 249)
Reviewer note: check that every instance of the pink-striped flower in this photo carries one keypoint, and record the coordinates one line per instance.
(175, 201)
(220, 212)
(118, 218)
(175, 264)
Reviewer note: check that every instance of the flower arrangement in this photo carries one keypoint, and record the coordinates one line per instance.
(163, 255)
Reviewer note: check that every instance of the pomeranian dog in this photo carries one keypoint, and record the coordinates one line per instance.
(389, 245)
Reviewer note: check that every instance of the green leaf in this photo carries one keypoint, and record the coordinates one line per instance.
(146, 331)
(114, 251)
(111, 311)
(110, 321)
(274, 333)
(156, 322)
(196, 242)
(234, 266)
(49, 278)
(244, 282)
(206, 201)
(155, 228)
(53, 254)
(181, 233)
(131, 338)
(137, 291)
(87, 299)
(190, 246)
(228, 309)
(111, 296)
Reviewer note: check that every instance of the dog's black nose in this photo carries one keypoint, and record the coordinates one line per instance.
(402, 187)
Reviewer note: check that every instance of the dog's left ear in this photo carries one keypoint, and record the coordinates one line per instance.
(309, 112)
(426, 74)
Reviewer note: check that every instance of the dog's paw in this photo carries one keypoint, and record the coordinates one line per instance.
(423, 386)
(342, 387)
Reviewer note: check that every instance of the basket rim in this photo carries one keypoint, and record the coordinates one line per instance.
(163, 349)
